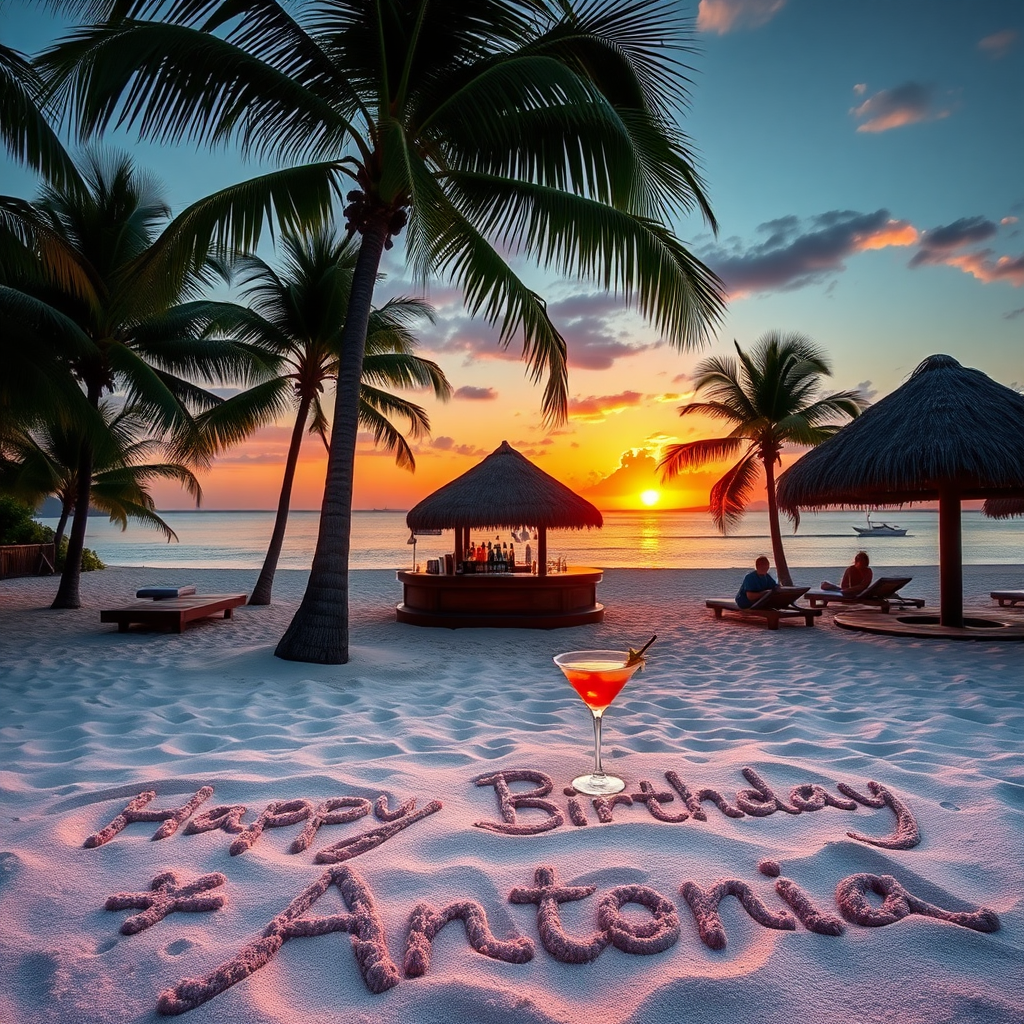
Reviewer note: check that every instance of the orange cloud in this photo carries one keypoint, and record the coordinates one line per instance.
(893, 232)
(999, 44)
(638, 472)
(985, 269)
(909, 103)
(597, 408)
(722, 16)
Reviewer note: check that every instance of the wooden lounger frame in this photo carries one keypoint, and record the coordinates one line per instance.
(1008, 597)
(881, 593)
(774, 606)
(172, 613)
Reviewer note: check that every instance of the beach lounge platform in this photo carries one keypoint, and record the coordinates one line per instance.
(1008, 597)
(978, 625)
(776, 605)
(172, 613)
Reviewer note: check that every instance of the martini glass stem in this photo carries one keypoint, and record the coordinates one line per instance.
(598, 770)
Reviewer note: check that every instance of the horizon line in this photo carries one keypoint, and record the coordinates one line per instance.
(684, 508)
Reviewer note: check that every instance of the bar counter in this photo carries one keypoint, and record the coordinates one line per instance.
(504, 600)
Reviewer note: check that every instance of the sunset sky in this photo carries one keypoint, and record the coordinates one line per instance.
(864, 162)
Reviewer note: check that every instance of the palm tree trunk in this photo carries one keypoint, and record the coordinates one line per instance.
(778, 554)
(265, 584)
(68, 592)
(319, 631)
(58, 535)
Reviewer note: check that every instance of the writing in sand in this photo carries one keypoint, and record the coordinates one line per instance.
(643, 932)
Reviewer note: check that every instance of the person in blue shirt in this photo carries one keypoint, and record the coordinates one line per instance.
(755, 584)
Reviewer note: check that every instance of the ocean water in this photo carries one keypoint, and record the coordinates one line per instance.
(667, 540)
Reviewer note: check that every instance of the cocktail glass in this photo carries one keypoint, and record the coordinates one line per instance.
(597, 676)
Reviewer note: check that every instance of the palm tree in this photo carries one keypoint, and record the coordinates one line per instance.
(45, 462)
(299, 314)
(773, 399)
(94, 298)
(539, 128)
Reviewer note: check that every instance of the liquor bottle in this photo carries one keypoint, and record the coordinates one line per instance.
(490, 557)
(511, 558)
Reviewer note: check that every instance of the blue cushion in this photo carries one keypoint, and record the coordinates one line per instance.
(160, 593)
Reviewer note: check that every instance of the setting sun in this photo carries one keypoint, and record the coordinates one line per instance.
(650, 497)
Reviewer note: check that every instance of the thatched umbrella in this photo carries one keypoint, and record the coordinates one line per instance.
(947, 434)
(505, 491)
(1003, 508)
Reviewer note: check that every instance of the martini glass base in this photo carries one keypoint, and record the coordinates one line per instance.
(598, 785)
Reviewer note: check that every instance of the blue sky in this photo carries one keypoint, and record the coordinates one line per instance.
(864, 161)
(825, 121)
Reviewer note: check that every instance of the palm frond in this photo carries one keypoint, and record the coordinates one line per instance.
(318, 422)
(234, 217)
(24, 127)
(731, 495)
(631, 256)
(35, 251)
(677, 458)
(233, 420)
(493, 290)
(174, 83)
(139, 476)
(124, 510)
(394, 405)
(386, 435)
(170, 342)
(396, 369)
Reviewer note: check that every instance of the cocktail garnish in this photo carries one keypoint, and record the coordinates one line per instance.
(637, 657)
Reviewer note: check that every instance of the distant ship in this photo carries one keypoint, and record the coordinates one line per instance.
(880, 529)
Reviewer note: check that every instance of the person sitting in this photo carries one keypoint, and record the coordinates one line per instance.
(856, 578)
(755, 584)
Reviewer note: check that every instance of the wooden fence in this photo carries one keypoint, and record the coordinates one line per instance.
(26, 560)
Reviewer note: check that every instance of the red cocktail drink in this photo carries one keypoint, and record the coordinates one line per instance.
(597, 682)
(598, 677)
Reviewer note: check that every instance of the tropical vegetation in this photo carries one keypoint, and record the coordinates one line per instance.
(18, 525)
(772, 397)
(298, 313)
(86, 283)
(44, 462)
(489, 132)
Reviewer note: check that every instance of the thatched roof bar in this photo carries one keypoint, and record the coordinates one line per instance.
(505, 491)
(1004, 508)
(947, 426)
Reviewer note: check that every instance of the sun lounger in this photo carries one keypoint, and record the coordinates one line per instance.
(777, 604)
(174, 612)
(882, 593)
(1008, 597)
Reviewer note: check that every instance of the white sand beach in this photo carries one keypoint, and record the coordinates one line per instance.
(90, 719)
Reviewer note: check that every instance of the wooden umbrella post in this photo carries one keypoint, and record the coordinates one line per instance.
(542, 551)
(951, 569)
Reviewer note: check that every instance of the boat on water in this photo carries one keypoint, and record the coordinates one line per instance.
(880, 529)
